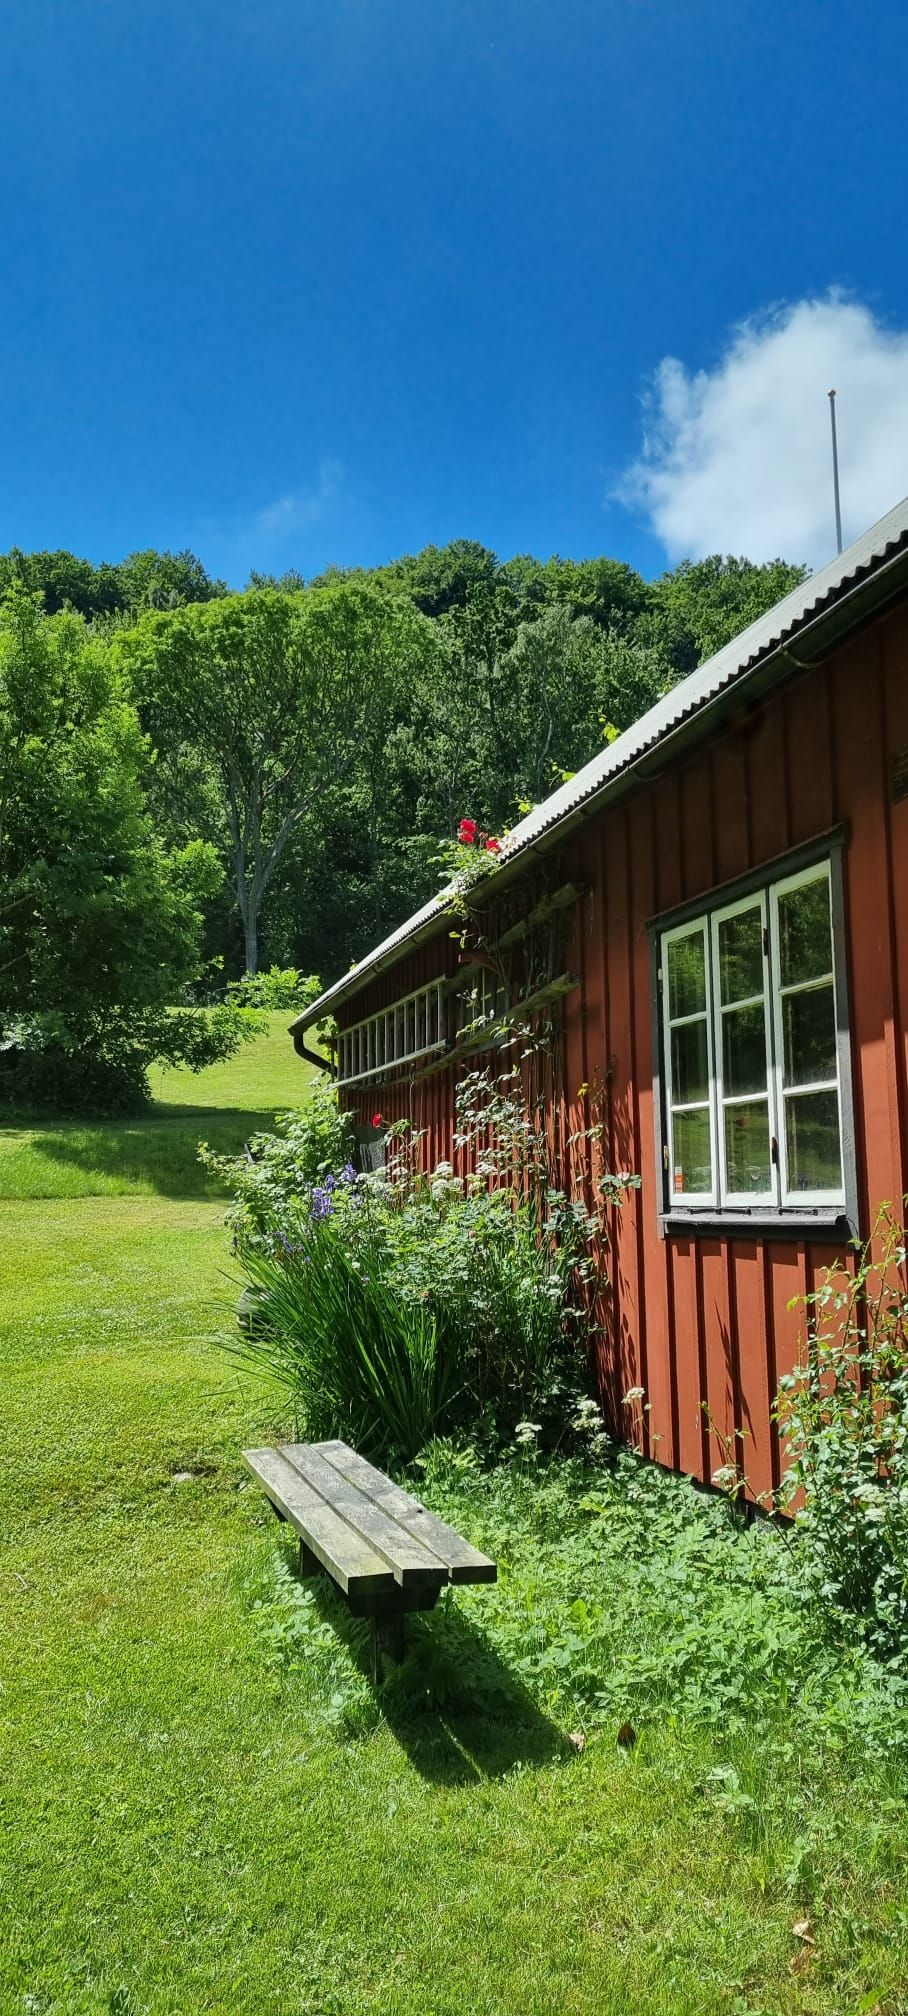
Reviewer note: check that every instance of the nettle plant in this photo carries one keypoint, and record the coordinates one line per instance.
(843, 1416)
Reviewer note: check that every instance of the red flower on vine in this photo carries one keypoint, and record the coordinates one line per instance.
(493, 846)
(466, 832)
(377, 1120)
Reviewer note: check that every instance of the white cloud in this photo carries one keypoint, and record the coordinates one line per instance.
(738, 459)
(299, 507)
(271, 537)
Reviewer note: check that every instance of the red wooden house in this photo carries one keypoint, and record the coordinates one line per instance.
(711, 920)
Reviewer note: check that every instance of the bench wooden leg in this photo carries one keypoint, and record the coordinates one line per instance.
(387, 1634)
(307, 1562)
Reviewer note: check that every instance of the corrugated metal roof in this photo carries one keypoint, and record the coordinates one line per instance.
(752, 648)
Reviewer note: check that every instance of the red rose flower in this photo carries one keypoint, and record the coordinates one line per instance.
(377, 1120)
(493, 846)
(466, 832)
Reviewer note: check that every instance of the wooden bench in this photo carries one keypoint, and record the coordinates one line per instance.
(386, 1553)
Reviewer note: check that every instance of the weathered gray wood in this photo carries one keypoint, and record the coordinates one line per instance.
(355, 1566)
(387, 1637)
(412, 1560)
(463, 1562)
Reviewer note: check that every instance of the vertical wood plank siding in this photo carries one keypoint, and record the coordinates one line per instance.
(704, 1324)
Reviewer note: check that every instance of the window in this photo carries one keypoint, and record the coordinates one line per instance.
(753, 1053)
(410, 1029)
(482, 1001)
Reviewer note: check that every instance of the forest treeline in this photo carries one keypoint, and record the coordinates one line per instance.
(324, 736)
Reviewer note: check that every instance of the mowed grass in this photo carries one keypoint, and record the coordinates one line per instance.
(158, 1152)
(187, 1823)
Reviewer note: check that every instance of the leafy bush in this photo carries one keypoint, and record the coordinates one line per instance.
(280, 987)
(399, 1305)
(627, 1594)
(273, 1179)
(101, 924)
(395, 1317)
(843, 1414)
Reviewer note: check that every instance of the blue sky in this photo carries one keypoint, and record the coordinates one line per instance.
(301, 281)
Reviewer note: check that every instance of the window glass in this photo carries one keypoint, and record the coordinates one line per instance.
(692, 1172)
(809, 1035)
(744, 1059)
(690, 1063)
(748, 1163)
(805, 934)
(812, 1141)
(741, 955)
(687, 974)
(744, 1050)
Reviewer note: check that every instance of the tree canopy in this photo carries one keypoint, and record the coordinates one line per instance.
(318, 739)
(101, 922)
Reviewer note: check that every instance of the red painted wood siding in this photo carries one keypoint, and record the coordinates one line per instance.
(704, 1324)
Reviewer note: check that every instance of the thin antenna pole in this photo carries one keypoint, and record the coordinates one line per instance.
(835, 473)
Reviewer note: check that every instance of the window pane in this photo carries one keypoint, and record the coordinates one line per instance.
(687, 975)
(812, 1138)
(741, 955)
(747, 1161)
(744, 1050)
(692, 1165)
(808, 1024)
(805, 936)
(690, 1063)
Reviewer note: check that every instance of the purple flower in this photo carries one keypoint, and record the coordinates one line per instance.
(348, 1173)
(320, 1203)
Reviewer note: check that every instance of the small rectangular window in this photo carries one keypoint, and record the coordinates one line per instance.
(752, 1056)
(395, 1035)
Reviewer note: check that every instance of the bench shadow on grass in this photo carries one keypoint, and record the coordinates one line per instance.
(453, 1705)
(157, 1152)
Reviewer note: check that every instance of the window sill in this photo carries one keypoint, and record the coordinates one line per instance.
(758, 1224)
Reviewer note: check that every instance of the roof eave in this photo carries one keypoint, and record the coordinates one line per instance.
(805, 645)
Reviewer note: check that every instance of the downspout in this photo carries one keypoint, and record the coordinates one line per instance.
(310, 1056)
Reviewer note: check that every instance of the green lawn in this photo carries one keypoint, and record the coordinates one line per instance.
(201, 1807)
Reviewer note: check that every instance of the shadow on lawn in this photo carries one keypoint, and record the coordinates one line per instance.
(158, 1151)
(458, 1711)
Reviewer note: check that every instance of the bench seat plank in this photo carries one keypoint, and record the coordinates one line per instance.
(413, 1562)
(463, 1562)
(357, 1568)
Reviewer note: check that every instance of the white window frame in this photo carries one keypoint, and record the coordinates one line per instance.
(371, 1048)
(782, 888)
(779, 1203)
(723, 1100)
(686, 1200)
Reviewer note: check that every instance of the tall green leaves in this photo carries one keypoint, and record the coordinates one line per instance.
(360, 1360)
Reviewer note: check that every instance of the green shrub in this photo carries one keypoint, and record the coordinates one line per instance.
(360, 1360)
(55, 1063)
(399, 1311)
(272, 1180)
(447, 1304)
(843, 1414)
(280, 987)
